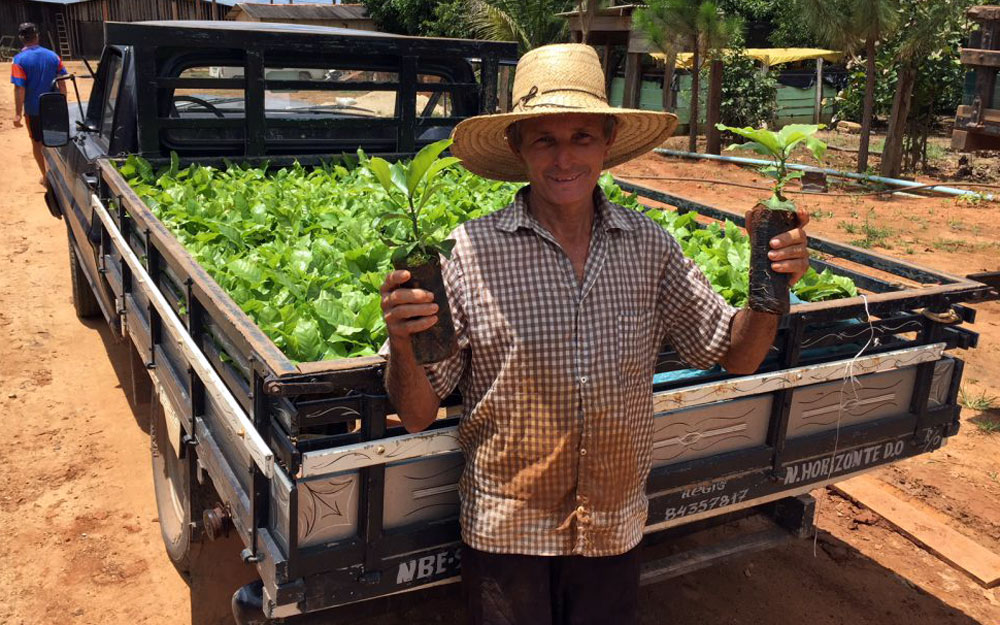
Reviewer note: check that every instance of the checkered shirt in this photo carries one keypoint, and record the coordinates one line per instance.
(556, 375)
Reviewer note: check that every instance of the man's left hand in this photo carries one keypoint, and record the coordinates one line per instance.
(17, 121)
(789, 250)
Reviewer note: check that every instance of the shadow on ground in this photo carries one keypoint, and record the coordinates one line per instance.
(788, 585)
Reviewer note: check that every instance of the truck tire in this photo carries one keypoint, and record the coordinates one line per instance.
(84, 301)
(180, 499)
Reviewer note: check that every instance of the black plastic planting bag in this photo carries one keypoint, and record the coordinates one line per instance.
(768, 288)
(437, 342)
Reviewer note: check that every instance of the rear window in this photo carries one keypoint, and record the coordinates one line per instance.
(308, 107)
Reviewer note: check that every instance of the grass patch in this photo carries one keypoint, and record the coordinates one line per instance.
(981, 401)
(935, 152)
(959, 245)
(988, 426)
(970, 199)
(872, 235)
(820, 214)
(957, 225)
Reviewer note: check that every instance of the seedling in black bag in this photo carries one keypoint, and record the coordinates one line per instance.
(771, 217)
(409, 188)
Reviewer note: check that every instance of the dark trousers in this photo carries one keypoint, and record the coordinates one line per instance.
(510, 589)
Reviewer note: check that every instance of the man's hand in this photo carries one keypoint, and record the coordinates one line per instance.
(406, 311)
(789, 250)
(17, 121)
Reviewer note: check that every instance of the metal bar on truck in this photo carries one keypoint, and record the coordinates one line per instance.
(445, 440)
(214, 386)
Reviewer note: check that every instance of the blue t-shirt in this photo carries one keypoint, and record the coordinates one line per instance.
(34, 69)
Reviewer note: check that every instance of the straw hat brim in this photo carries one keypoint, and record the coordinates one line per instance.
(481, 141)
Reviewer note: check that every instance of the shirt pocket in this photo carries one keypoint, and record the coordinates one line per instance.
(636, 346)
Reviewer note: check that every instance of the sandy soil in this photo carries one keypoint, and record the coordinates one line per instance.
(80, 541)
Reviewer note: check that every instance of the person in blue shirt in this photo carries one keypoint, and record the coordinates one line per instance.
(32, 73)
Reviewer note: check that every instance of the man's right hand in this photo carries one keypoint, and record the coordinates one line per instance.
(406, 311)
(17, 121)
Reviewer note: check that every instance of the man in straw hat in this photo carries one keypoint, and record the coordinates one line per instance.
(561, 302)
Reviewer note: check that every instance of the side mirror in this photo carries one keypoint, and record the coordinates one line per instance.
(53, 112)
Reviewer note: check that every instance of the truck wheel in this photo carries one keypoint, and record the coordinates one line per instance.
(180, 499)
(84, 300)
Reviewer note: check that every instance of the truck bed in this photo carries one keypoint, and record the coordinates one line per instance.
(336, 504)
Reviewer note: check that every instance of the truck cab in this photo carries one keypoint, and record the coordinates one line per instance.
(209, 91)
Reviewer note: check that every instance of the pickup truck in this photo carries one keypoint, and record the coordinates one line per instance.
(333, 501)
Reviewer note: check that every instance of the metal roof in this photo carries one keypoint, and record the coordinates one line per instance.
(302, 11)
(227, 3)
(230, 3)
(286, 28)
(64, 2)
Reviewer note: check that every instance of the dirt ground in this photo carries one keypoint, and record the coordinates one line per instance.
(79, 540)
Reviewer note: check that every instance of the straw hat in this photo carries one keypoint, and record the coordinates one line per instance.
(555, 80)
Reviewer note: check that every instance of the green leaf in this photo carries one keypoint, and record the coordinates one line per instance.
(817, 147)
(776, 204)
(398, 175)
(445, 247)
(380, 167)
(767, 140)
(438, 167)
(422, 162)
(175, 164)
(753, 146)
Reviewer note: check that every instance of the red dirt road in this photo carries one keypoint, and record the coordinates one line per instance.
(80, 544)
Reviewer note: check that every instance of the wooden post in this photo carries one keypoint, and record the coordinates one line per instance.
(173, 9)
(633, 82)
(713, 135)
(104, 10)
(608, 50)
(215, 9)
(819, 90)
(503, 92)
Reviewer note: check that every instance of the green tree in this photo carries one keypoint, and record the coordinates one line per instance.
(926, 27)
(698, 25)
(937, 89)
(441, 18)
(749, 97)
(651, 23)
(784, 28)
(849, 25)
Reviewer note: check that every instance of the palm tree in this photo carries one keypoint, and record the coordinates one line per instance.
(701, 26)
(531, 23)
(850, 25)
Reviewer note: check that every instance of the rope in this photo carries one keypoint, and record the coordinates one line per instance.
(852, 380)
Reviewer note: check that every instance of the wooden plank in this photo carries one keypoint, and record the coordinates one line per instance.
(989, 116)
(980, 58)
(928, 532)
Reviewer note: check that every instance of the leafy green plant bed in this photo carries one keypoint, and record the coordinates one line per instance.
(297, 250)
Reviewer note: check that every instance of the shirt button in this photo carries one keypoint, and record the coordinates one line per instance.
(583, 452)
(583, 379)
